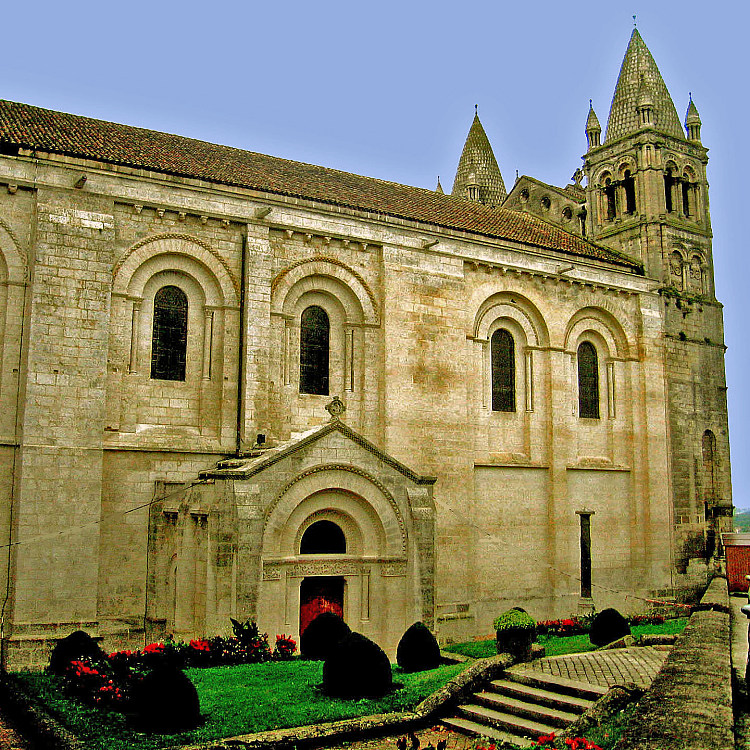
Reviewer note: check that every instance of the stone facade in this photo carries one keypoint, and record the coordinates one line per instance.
(138, 506)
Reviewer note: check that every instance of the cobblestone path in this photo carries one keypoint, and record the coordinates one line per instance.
(638, 664)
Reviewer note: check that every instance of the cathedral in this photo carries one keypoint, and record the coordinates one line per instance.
(233, 385)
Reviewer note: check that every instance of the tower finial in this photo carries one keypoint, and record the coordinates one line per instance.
(635, 22)
(476, 109)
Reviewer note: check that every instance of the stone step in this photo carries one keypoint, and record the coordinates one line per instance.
(466, 726)
(504, 721)
(557, 684)
(525, 710)
(538, 695)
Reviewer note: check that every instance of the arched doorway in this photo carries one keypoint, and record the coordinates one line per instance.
(319, 594)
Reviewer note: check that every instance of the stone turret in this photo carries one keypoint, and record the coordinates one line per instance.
(639, 76)
(478, 176)
(593, 128)
(693, 122)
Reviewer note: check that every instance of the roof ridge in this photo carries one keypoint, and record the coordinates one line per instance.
(152, 150)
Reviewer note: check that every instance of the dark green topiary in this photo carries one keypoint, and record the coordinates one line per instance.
(609, 625)
(321, 635)
(357, 668)
(516, 631)
(75, 646)
(166, 701)
(418, 649)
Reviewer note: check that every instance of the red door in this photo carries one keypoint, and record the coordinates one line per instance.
(318, 595)
(738, 566)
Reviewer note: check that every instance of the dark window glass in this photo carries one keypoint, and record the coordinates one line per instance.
(169, 341)
(314, 350)
(588, 381)
(323, 538)
(503, 371)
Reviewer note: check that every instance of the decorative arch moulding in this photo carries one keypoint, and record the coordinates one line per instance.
(222, 269)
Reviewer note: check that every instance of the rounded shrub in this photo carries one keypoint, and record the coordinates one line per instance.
(165, 700)
(77, 645)
(321, 635)
(357, 668)
(516, 631)
(609, 625)
(418, 649)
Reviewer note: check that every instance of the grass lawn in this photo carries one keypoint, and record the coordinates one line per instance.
(237, 700)
(558, 645)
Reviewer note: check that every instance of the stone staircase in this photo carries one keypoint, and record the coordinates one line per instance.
(523, 706)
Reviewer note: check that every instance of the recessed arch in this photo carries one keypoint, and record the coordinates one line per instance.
(181, 252)
(514, 307)
(355, 494)
(601, 324)
(326, 274)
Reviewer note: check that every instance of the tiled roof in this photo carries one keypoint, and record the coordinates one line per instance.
(478, 166)
(56, 132)
(638, 68)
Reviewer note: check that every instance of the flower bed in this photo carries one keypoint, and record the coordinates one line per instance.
(109, 680)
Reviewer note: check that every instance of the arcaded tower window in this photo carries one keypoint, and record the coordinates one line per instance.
(169, 341)
(588, 381)
(503, 358)
(314, 351)
(610, 202)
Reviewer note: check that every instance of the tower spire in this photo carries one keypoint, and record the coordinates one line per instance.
(478, 176)
(639, 73)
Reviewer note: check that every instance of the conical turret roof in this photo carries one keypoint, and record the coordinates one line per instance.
(477, 167)
(592, 121)
(639, 67)
(691, 116)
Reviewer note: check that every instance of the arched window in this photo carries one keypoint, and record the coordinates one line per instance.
(169, 340)
(503, 357)
(709, 465)
(588, 381)
(314, 351)
(323, 538)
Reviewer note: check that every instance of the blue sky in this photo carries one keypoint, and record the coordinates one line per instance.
(388, 90)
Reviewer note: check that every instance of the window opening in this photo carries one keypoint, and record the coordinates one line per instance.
(323, 538)
(629, 185)
(668, 184)
(609, 193)
(169, 340)
(686, 190)
(314, 351)
(588, 381)
(503, 358)
(709, 465)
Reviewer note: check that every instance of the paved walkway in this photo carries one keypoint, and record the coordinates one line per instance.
(638, 664)
(739, 658)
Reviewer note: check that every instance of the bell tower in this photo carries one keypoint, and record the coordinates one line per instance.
(647, 196)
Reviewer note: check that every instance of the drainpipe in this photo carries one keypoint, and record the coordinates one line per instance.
(241, 346)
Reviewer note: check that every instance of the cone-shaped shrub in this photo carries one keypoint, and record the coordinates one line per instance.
(166, 701)
(78, 644)
(357, 668)
(418, 649)
(321, 635)
(608, 626)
